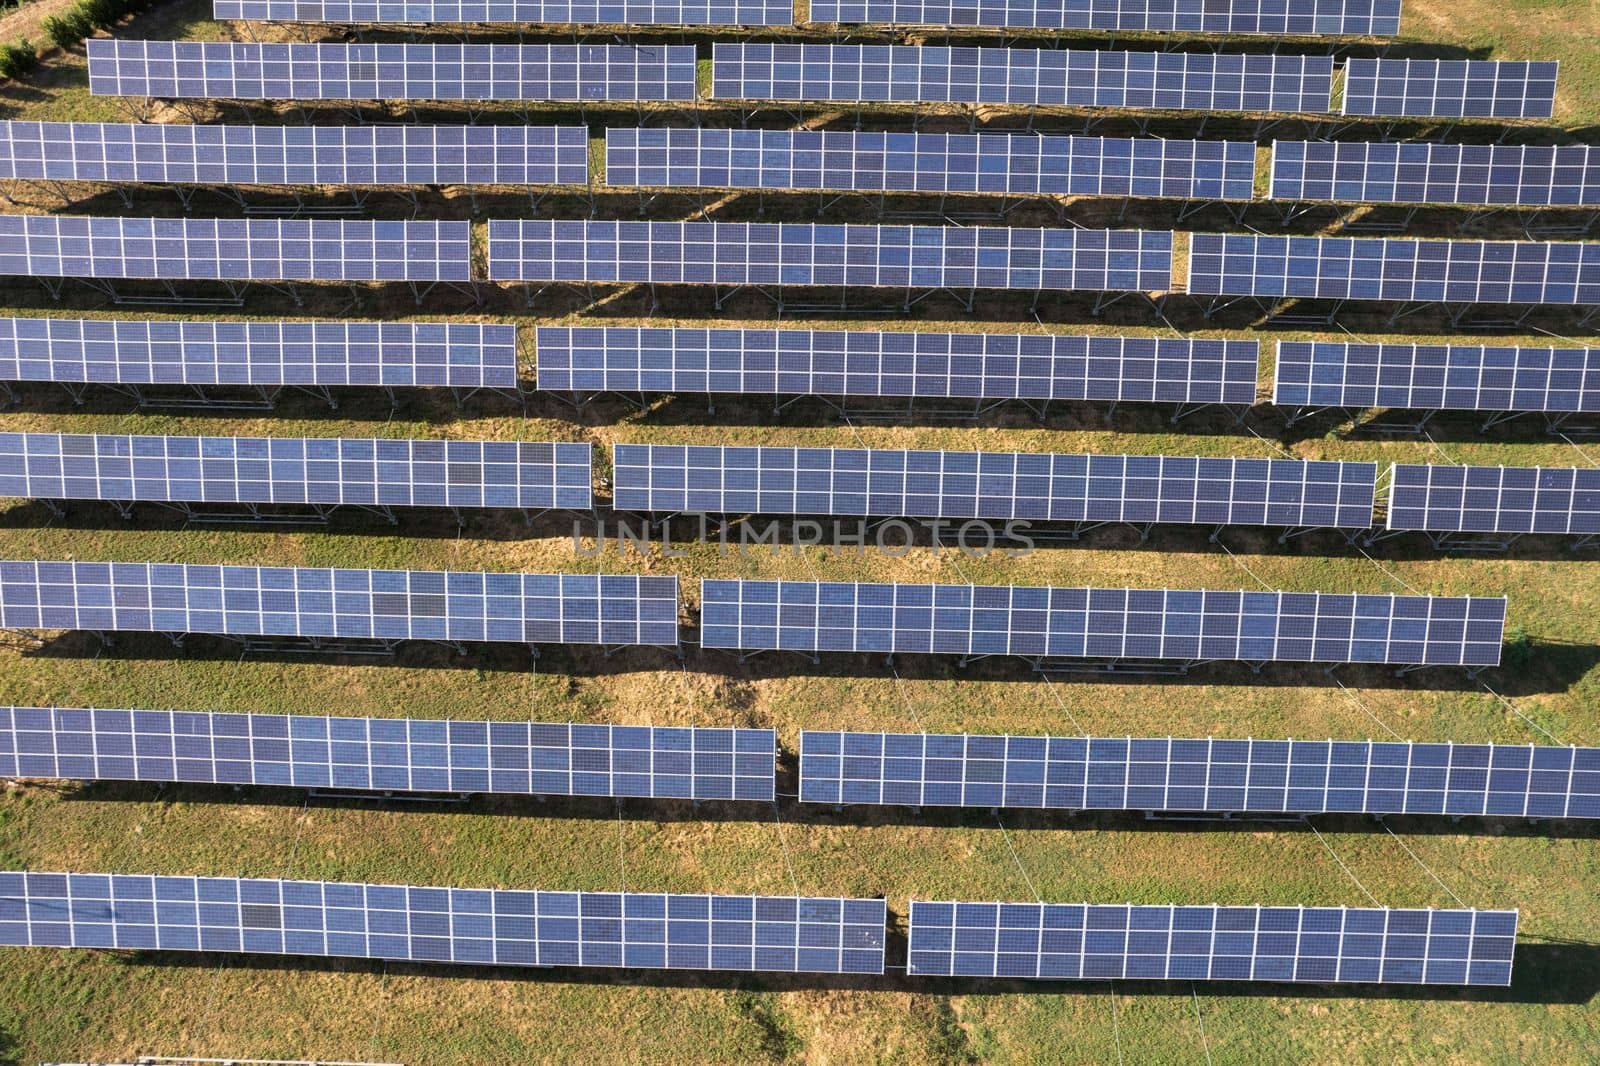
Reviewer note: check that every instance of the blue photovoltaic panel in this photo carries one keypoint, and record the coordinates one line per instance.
(740, 253)
(493, 927)
(268, 354)
(1377, 268)
(1467, 377)
(1026, 77)
(252, 249)
(387, 754)
(297, 470)
(1002, 486)
(1323, 945)
(1199, 775)
(1012, 164)
(1449, 88)
(1279, 18)
(1389, 172)
(232, 71)
(484, 12)
(971, 620)
(295, 155)
(865, 363)
(263, 601)
(1494, 499)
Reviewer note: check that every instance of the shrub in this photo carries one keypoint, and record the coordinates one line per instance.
(68, 28)
(101, 12)
(17, 58)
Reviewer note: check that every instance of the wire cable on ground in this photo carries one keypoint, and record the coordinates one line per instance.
(1342, 866)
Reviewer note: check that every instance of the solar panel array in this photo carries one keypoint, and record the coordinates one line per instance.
(500, 927)
(909, 364)
(245, 71)
(1058, 941)
(992, 485)
(1343, 18)
(1199, 775)
(1376, 268)
(1465, 377)
(251, 249)
(811, 616)
(295, 155)
(998, 163)
(297, 470)
(264, 601)
(480, 12)
(1024, 77)
(1390, 172)
(1494, 499)
(1449, 88)
(388, 754)
(268, 354)
(739, 253)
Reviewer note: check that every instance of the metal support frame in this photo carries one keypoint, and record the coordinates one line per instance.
(1047, 665)
(375, 647)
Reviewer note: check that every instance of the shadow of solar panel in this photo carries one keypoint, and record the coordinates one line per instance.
(64, 246)
(992, 163)
(1319, 18)
(1075, 623)
(737, 253)
(1471, 377)
(1176, 81)
(496, 927)
(1374, 268)
(1202, 775)
(297, 470)
(1323, 945)
(1000, 486)
(241, 71)
(294, 155)
(81, 351)
(387, 754)
(1494, 499)
(319, 602)
(907, 364)
(483, 12)
(1449, 88)
(1388, 172)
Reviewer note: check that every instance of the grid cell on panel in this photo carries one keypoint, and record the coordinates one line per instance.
(1322, 945)
(505, 927)
(903, 364)
(1564, 501)
(1282, 18)
(1468, 377)
(1449, 88)
(1390, 172)
(536, 12)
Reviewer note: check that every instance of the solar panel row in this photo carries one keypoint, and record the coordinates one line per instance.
(1199, 775)
(321, 602)
(387, 754)
(503, 927)
(1449, 88)
(1390, 172)
(1468, 377)
(551, 12)
(1494, 499)
(1342, 18)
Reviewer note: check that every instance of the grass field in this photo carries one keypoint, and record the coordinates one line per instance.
(95, 1006)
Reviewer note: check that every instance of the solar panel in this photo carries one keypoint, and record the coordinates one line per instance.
(975, 620)
(251, 249)
(110, 351)
(329, 471)
(322, 602)
(495, 927)
(997, 163)
(1024, 77)
(1389, 172)
(1467, 377)
(864, 363)
(1003, 486)
(1199, 775)
(1494, 499)
(739, 253)
(1449, 88)
(294, 155)
(548, 12)
(1278, 18)
(240, 71)
(1376, 268)
(1323, 945)
(387, 754)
